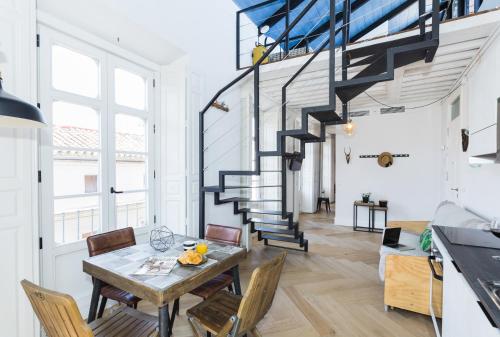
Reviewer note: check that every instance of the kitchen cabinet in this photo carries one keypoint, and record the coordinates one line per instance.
(462, 312)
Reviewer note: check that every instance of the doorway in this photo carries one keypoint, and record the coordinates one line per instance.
(317, 180)
(453, 144)
(97, 156)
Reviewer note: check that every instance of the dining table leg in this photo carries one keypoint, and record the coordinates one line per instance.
(164, 321)
(236, 279)
(94, 301)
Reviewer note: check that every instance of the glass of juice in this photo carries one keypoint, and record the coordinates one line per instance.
(202, 247)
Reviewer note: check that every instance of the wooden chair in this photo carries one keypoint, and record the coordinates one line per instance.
(226, 314)
(105, 243)
(227, 236)
(60, 317)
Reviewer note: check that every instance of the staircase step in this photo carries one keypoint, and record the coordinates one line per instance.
(300, 134)
(322, 113)
(325, 116)
(263, 200)
(277, 231)
(271, 222)
(239, 199)
(276, 237)
(216, 188)
(263, 211)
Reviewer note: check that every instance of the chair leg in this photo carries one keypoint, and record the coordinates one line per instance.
(230, 288)
(209, 334)
(102, 307)
(177, 307)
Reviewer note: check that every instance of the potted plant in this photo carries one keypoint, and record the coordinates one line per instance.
(366, 197)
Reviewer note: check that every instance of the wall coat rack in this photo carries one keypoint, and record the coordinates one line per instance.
(399, 155)
(385, 159)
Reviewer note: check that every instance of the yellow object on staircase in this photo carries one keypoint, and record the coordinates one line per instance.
(257, 53)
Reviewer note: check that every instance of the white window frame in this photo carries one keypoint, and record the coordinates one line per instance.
(75, 40)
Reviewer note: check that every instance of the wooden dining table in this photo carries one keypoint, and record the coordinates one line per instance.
(118, 268)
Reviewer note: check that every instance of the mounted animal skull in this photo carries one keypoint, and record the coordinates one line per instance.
(347, 155)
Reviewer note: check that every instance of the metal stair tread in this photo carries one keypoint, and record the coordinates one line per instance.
(276, 237)
(240, 199)
(300, 134)
(217, 188)
(271, 222)
(277, 231)
(263, 211)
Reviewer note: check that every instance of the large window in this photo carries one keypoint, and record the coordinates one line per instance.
(97, 154)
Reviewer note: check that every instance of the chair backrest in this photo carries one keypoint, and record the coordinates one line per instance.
(223, 234)
(58, 313)
(260, 293)
(109, 241)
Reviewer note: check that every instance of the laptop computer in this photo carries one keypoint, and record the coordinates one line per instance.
(391, 239)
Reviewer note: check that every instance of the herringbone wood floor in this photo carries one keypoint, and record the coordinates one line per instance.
(333, 290)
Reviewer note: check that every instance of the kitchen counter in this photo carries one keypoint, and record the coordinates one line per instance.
(474, 262)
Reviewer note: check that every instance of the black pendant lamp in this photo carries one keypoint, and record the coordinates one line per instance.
(15, 112)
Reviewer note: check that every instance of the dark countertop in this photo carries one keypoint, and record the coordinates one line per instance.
(475, 263)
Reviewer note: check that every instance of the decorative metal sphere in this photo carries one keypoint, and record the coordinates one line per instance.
(161, 239)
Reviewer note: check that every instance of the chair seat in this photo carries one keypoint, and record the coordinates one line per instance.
(213, 286)
(119, 295)
(215, 312)
(126, 322)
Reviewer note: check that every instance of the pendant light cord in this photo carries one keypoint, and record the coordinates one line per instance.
(413, 107)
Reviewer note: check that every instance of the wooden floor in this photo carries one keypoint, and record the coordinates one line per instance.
(333, 290)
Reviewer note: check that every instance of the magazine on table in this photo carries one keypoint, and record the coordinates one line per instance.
(157, 265)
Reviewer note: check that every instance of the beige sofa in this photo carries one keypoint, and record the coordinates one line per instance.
(406, 274)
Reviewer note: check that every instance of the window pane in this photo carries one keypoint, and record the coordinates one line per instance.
(130, 90)
(130, 133)
(75, 126)
(76, 218)
(74, 72)
(131, 210)
(71, 169)
(130, 172)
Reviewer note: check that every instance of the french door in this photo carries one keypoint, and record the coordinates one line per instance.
(96, 155)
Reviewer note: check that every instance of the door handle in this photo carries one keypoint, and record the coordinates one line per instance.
(112, 190)
(430, 260)
(454, 189)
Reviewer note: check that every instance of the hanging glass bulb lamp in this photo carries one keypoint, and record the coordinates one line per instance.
(349, 126)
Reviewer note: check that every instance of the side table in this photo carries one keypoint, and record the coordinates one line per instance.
(372, 209)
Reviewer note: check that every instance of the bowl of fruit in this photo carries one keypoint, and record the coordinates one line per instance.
(191, 258)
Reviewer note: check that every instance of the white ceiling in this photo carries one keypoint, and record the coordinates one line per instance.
(417, 83)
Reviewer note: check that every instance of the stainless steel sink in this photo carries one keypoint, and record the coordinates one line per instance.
(492, 288)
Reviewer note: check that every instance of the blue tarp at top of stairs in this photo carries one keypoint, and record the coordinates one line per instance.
(365, 15)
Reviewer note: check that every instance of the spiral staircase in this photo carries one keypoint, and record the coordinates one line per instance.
(377, 61)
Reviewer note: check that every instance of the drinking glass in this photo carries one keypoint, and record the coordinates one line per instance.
(202, 247)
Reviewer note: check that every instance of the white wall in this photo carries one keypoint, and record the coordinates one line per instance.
(18, 211)
(309, 190)
(479, 186)
(411, 185)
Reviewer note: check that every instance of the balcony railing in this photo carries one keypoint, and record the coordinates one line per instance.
(75, 225)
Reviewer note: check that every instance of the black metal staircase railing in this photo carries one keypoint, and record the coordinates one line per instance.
(255, 69)
(378, 63)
